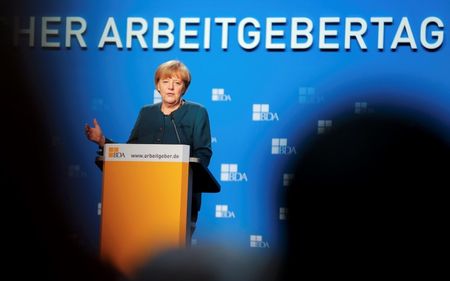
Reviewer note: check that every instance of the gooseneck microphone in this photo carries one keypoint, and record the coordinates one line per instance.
(175, 127)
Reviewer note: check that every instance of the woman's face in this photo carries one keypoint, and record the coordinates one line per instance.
(171, 90)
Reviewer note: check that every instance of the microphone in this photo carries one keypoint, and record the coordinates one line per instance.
(175, 127)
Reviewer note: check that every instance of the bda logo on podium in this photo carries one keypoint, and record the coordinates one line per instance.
(113, 152)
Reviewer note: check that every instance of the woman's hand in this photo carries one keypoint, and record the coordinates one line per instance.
(95, 133)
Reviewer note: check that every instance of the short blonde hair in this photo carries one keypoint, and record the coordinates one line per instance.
(173, 68)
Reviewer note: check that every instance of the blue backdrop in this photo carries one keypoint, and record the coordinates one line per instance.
(263, 95)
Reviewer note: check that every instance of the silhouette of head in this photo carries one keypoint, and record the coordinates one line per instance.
(369, 194)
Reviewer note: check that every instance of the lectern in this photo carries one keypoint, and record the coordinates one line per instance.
(146, 201)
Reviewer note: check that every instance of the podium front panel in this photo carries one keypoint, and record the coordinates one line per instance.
(144, 202)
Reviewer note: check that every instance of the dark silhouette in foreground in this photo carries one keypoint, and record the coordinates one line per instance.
(37, 242)
(370, 199)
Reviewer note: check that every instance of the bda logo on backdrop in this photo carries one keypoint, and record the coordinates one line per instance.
(223, 212)
(308, 95)
(287, 179)
(261, 113)
(256, 241)
(218, 94)
(279, 146)
(324, 126)
(283, 213)
(229, 172)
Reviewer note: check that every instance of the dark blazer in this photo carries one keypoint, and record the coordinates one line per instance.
(191, 121)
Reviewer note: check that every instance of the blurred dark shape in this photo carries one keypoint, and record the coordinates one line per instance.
(370, 198)
(37, 243)
(207, 263)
